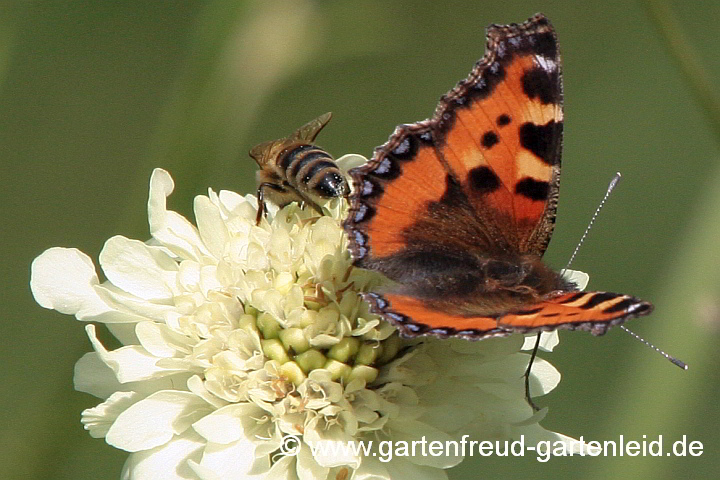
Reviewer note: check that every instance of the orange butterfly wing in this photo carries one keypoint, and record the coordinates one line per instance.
(592, 311)
(483, 172)
(459, 208)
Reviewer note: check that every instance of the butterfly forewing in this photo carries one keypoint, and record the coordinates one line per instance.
(500, 131)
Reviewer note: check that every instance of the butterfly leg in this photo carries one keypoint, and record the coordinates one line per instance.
(261, 197)
(527, 373)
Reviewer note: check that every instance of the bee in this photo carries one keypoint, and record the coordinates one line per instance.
(294, 169)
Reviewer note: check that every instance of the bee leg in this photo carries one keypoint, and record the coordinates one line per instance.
(307, 200)
(261, 198)
(311, 203)
(315, 206)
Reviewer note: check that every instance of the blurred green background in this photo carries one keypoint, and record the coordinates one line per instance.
(94, 95)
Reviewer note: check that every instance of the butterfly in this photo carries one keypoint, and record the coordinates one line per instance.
(459, 209)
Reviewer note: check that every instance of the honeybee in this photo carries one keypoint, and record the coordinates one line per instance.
(294, 169)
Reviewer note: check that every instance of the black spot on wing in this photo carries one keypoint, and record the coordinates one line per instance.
(630, 306)
(453, 196)
(542, 140)
(597, 299)
(544, 44)
(574, 297)
(642, 309)
(541, 84)
(529, 311)
(620, 306)
(533, 189)
(503, 120)
(483, 180)
(489, 139)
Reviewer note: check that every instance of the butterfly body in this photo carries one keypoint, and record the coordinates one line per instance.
(294, 169)
(458, 209)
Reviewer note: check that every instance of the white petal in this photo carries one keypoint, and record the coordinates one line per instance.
(365, 328)
(202, 472)
(196, 385)
(63, 279)
(227, 462)
(283, 469)
(131, 363)
(209, 279)
(170, 228)
(330, 447)
(371, 469)
(128, 307)
(168, 462)
(544, 377)
(93, 376)
(141, 270)
(401, 468)
(211, 226)
(124, 332)
(97, 420)
(155, 420)
(189, 275)
(227, 424)
(351, 160)
(307, 468)
(548, 341)
(414, 431)
(533, 419)
(159, 340)
(231, 200)
(581, 279)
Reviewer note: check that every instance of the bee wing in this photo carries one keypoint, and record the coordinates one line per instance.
(261, 152)
(310, 130)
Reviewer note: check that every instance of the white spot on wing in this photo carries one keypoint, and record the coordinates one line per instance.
(547, 64)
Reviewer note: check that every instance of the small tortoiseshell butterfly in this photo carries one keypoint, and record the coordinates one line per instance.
(459, 209)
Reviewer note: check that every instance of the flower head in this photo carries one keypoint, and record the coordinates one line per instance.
(237, 337)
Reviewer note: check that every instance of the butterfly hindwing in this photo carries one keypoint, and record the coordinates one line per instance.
(413, 317)
(592, 311)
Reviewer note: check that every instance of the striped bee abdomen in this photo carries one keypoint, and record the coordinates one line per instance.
(312, 169)
(295, 169)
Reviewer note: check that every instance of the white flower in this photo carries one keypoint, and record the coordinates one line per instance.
(236, 337)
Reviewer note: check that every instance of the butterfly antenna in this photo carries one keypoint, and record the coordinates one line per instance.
(674, 360)
(610, 188)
